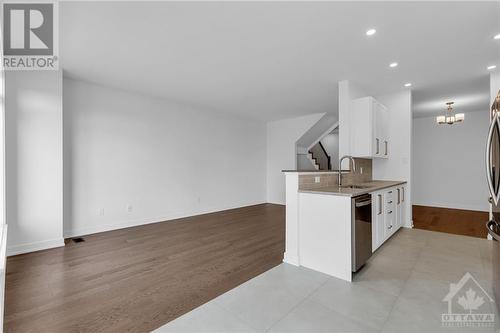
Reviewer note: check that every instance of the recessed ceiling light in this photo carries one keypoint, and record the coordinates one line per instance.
(492, 67)
(370, 32)
(497, 36)
(408, 84)
(393, 64)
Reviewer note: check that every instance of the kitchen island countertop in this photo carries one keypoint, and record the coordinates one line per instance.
(367, 187)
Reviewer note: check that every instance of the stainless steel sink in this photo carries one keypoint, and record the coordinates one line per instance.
(354, 186)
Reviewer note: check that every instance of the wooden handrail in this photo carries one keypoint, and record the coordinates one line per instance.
(326, 154)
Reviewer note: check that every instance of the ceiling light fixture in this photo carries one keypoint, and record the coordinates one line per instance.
(497, 36)
(370, 32)
(450, 118)
(492, 67)
(408, 84)
(393, 64)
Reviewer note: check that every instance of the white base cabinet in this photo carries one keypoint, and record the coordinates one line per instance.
(388, 213)
(378, 223)
(401, 204)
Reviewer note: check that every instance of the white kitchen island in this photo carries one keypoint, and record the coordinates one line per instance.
(318, 221)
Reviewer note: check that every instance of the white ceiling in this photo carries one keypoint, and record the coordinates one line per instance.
(271, 60)
(469, 96)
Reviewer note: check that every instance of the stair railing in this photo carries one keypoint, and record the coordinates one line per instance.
(321, 157)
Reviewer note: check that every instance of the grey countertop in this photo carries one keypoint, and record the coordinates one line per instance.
(368, 187)
(314, 171)
(311, 171)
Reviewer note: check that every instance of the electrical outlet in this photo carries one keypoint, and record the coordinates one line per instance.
(317, 179)
(130, 208)
(361, 170)
(101, 211)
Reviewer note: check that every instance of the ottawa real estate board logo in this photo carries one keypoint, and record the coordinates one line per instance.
(469, 305)
(30, 35)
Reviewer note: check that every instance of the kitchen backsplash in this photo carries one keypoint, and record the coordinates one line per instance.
(307, 182)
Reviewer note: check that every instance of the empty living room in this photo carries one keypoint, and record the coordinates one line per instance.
(249, 166)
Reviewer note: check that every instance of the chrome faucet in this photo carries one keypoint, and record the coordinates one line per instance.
(353, 169)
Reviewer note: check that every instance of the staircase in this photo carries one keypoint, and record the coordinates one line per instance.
(310, 153)
(313, 161)
(319, 157)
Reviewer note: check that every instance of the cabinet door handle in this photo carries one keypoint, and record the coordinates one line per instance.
(399, 196)
(403, 194)
(390, 202)
(385, 143)
(379, 204)
(389, 212)
(378, 146)
(390, 227)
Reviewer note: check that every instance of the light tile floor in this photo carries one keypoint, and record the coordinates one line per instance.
(400, 289)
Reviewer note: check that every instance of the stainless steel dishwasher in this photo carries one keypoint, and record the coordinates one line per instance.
(361, 232)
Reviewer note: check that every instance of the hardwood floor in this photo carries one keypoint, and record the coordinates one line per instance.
(453, 221)
(137, 279)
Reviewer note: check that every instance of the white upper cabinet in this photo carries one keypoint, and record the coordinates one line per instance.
(369, 128)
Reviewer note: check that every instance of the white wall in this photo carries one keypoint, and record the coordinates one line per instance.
(322, 127)
(399, 164)
(304, 163)
(34, 181)
(163, 159)
(2, 147)
(494, 85)
(282, 136)
(449, 163)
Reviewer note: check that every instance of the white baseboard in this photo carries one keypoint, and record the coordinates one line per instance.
(135, 223)
(35, 246)
(408, 226)
(113, 226)
(290, 259)
(276, 202)
(479, 208)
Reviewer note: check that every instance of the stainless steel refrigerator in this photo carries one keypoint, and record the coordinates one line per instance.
(493, 178)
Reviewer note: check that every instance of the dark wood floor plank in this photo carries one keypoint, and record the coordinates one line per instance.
(453, 221)
(137, 279)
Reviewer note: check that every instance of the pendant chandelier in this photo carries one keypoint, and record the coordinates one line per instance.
(450, 118)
